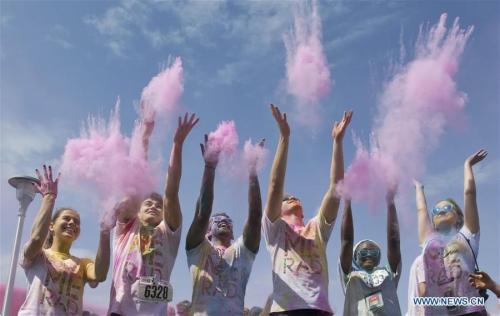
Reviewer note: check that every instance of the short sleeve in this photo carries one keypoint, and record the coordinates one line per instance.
(395, 274)
(243, 251)
(88, 264)
(343, 278)
(473, 239)
(173, 238)
(325, 228)
(194, 255)
(271, 230)
(25, 263)
(419, 270)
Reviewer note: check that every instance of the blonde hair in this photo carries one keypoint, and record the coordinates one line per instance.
(458, 211)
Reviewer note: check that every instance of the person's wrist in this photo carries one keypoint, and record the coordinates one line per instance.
(210, 165)
(105, 231)
(49, 195)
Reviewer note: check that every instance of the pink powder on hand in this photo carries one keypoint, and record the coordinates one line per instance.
(254, 156)
(419, 101)
(307, 72)
(223, 140)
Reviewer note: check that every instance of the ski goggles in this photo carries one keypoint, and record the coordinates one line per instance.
(443, 209)
(363, 253)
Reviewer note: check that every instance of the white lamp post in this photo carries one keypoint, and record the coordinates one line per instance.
(25, 192)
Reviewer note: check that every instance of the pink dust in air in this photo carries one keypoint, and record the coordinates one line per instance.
(254, 156)
(419, 101)
(223, 140)
(159, 99)
(163, 92)
(307, 72)
(101, 159)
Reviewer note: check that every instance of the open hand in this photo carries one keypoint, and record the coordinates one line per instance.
(281, 120)
(184, 126)
(417, 184)
(210, 155)
(477, 157)
(339, 128)
(47, 184)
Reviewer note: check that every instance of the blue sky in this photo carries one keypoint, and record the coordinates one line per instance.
(61, 61)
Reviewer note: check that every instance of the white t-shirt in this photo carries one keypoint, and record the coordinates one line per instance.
(416, 267)
(299, 264)
(56, 283)
(156, 258)
(219, 279)
(445, 266)
(371, 293)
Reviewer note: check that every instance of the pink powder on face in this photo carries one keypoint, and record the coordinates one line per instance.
(419, 101)
(101, 158)
(307, 72)
(223, 140)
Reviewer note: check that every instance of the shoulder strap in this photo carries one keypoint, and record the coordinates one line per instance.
(470, 247)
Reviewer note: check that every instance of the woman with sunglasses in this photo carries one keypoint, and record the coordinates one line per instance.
(369, 288)
(57, 278)
(450, 243)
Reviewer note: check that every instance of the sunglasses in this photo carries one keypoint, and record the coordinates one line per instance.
(363, 253)
(444, 209)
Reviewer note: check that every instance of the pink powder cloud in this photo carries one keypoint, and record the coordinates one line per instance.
(101, 158)
(254, 156)
(416, 105)
(307, 72)
(163, 92)
(223, 140)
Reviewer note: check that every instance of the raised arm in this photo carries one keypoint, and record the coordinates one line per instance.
(423, 220)
(393, 239)
(251, 231)
(129, 206)
(99, 270)
(199, 226)
(330, 204)
(171, 206)
(278, 170)
(347, 238)
(48, 189)
(471, 216)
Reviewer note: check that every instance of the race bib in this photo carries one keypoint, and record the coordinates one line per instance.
(374, 301)
(154, 291)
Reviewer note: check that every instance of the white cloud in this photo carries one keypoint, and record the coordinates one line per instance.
(357, 31)
(230, 73)
(59, 35)
(452, 179)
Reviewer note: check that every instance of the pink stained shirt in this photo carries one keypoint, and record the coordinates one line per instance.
(129, 265)
(299, 264)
